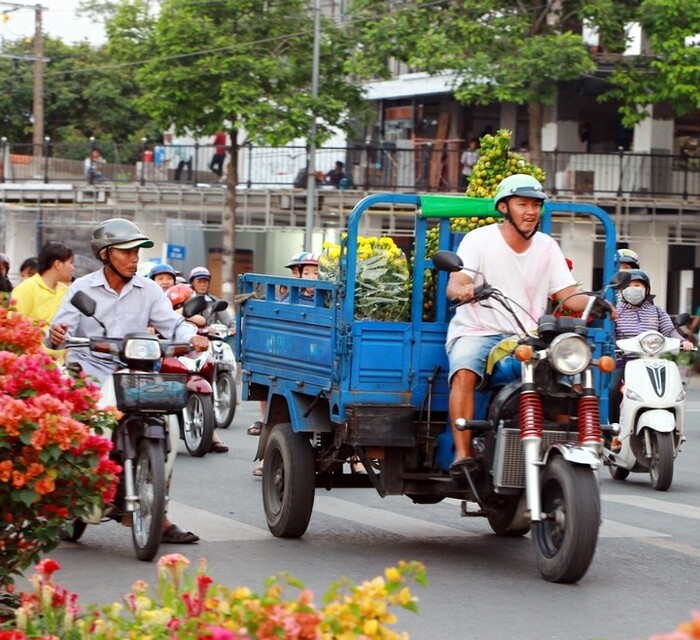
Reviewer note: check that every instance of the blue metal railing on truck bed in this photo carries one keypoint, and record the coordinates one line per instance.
(303, 351)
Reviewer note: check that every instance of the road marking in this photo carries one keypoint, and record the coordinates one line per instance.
(212, 527)
(673, 546)
(671, 508)
(614, 529)
(386, 520)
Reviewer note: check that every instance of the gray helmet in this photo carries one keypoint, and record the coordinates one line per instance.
(119, 234)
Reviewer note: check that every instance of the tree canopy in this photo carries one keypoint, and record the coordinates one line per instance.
(241, 65)
(499, 50)
(669, 69)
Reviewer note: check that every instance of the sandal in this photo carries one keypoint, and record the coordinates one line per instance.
(175, 535)
(257, 472)
(218, 447)
(255, 428)
(458, 467)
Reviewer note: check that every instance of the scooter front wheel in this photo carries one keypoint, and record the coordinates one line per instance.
(198, 424)
(224, 399)
(618, 473)
(149, 487)
(661, 461)
(566, 540)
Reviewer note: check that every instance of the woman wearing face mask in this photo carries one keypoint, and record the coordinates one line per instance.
(637, 313)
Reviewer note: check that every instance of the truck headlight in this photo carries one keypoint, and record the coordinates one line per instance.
(569, 354)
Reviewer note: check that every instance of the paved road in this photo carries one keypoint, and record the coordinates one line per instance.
(644, 578)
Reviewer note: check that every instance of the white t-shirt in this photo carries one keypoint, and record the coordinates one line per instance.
(528, 278)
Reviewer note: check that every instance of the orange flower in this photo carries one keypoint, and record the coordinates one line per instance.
(18, 479)
(44, 485)
(5, 470)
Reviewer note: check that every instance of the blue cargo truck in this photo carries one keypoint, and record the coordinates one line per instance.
(343, 392)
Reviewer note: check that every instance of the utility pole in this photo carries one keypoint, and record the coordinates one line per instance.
(311, 162)
(38, 59)
(38, 110)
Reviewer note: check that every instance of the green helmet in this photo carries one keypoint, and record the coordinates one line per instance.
(519, 184)
(118, 233)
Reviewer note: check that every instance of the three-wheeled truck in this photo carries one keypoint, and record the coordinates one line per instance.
(341, 389)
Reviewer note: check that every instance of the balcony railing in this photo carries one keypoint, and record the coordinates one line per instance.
(401, 166)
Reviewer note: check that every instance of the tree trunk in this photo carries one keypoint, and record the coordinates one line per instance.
(228, 222)
(535, 112)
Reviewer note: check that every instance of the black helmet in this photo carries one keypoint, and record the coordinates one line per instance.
(639, 275)
(118, 233)
(5, 260)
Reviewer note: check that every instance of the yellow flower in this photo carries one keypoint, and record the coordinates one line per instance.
(392, 574)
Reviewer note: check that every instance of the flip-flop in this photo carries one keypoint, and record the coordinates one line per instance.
(218, 447)
(458, 466)
(174, 535)
(255, 428)
(257, 472)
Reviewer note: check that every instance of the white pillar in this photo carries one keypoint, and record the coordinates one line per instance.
(577, 244)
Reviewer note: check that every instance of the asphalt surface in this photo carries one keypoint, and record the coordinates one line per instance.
(643, 580)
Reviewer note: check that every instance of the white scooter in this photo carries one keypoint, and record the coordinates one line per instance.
(225, 394)
(652, 411)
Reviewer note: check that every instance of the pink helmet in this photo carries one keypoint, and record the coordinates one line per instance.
(308, 259)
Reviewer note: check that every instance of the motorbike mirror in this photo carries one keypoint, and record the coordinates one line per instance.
(447, 261)
(683, 319)
(84, 303)
(193, 306)
(219, 305)
(620, 280)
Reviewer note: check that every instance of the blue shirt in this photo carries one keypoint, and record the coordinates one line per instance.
(139, 304)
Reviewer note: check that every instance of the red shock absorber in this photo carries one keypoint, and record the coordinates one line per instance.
(530, 414)
(589, 421)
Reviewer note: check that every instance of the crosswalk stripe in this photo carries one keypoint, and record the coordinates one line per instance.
(671, 545)
(212, 527)
(386, 520)
(671, 508)
(613, 529)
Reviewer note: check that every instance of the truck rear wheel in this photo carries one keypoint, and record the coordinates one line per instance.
(288, 482)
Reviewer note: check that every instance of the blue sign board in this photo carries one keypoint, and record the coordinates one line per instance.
(176, 252)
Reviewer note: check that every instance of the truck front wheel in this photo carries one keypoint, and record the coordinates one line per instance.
(288, 482)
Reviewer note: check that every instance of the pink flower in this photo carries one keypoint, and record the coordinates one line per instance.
(219, 633)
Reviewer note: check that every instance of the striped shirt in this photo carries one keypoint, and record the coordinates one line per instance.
(635, 319)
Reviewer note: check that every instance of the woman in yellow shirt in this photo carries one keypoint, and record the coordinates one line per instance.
(39, 296)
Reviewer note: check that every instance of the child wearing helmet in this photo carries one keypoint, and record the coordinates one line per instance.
(294, 266)
(308, 270)
(163, 275)
(627, 259)
(636, 312)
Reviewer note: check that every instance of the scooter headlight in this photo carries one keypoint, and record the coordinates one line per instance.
(142, 349)
(652, 343)
(569, 354)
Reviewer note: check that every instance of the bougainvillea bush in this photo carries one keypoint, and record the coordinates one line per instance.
(186, 607)
(53, 468)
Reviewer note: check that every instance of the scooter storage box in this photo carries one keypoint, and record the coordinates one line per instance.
(161, 392)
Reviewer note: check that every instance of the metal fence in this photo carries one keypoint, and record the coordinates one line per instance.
(401, 166)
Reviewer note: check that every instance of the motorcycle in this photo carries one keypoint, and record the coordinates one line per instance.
(141, 441)
(225, 394)
(650, 432)
(539, 446)
(196, 422)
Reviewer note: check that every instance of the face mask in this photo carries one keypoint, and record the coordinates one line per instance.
(634, 295)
